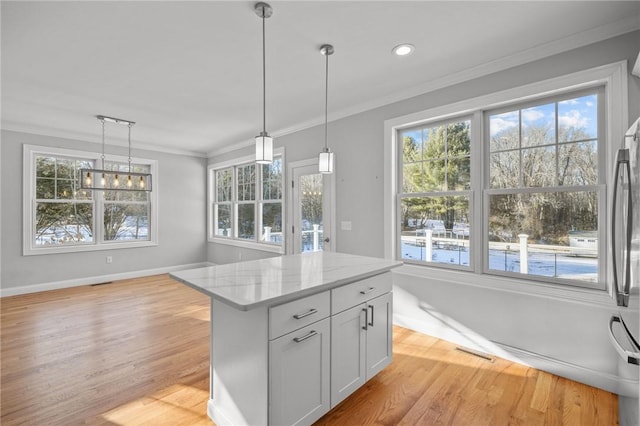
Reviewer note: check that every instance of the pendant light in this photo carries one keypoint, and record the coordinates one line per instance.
(112, 180)
(264, 142)
(325, 159)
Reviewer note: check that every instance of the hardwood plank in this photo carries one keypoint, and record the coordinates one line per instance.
(79, 355)
(136, 352)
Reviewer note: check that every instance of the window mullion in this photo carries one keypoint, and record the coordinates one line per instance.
(258, 204)
(234, 201)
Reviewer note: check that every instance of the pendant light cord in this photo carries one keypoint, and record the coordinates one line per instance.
(326, 101)
(264, 76)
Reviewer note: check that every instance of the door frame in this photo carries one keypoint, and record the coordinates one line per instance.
(330, 181)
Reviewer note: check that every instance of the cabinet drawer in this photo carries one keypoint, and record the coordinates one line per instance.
(291, 316)
(360, 291)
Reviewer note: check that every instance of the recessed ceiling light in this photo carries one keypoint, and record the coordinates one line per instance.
(403, 49)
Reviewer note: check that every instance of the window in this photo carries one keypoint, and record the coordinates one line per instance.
(540, 157)
(543, 187)
(537, 196)
(61, 217)
(246, 203)
(435, 197)
(126, 214)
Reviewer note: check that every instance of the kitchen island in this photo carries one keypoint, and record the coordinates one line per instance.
(292, 336)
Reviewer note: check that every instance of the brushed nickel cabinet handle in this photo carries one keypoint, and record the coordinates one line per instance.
(367, 291)
(366, 318)
(305, 337)
(306, 314)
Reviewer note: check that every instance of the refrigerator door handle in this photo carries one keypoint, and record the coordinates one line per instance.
(622, 295)
(628, 356)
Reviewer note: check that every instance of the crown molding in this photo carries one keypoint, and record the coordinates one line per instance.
(86, 137)
(595, 35)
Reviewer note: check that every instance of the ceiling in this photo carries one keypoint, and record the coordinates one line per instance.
(190, 73)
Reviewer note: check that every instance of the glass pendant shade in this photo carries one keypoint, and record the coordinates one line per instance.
(264, 148)
(325, 161)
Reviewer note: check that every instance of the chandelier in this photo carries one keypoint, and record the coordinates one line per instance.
(115, 180)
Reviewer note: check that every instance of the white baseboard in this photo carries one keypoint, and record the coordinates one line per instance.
(216, 415)
(609, 382)
(34, 288)
(602, 380)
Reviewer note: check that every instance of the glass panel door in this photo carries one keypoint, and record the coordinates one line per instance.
(310, 194)
(311, 208)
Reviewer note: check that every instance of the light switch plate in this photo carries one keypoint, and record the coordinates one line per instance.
(346, 225)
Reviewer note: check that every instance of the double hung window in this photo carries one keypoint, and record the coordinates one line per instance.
(435, 197)
(62, 217)
(246, 203)
(544, 187)
(522, 197)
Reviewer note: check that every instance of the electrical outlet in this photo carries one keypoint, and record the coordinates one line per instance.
(346, 225)
(109, 259)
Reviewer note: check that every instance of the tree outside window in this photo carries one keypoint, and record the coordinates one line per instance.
(434, 201)
(543, 189)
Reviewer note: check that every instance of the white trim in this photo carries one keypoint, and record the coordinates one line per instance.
(575, 295)
(457, 334)
(34, 129)
(28, 197)
(332, 201)
(613, 76)
(247, 244)
(9, 290)
(574, 41)
(609, 382)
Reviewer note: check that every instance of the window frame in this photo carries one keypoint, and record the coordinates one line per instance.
(258, 203)
(612, 76)
(29, 248)
(468, 193)
(600, 188)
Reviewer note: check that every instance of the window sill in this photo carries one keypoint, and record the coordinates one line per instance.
(88, 247)
(591, 297)
(248, 244)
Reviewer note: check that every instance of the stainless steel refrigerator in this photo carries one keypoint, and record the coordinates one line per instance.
(624, 326)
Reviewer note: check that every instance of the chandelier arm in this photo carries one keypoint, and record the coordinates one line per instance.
(102, 143)
(130, 147)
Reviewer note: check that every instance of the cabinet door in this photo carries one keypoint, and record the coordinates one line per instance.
(299, 375)
(348, 371)
(379, 333)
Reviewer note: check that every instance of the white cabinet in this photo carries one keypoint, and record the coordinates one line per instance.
(299, 363)
(361, 336)
(289, 364)
(379, 334)
(299, 375)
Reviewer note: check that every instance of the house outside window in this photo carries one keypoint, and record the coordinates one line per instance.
(61, 217)
(544, 187)
(246, 203)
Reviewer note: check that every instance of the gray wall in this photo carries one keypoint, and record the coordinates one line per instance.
(181, 209)
(553, 333)
(358, 141)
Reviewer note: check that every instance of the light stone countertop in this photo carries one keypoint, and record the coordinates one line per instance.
(271, 281)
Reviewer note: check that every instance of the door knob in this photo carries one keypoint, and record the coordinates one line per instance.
(326, 240)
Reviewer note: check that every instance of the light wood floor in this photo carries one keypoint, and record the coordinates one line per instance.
(135, 352)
